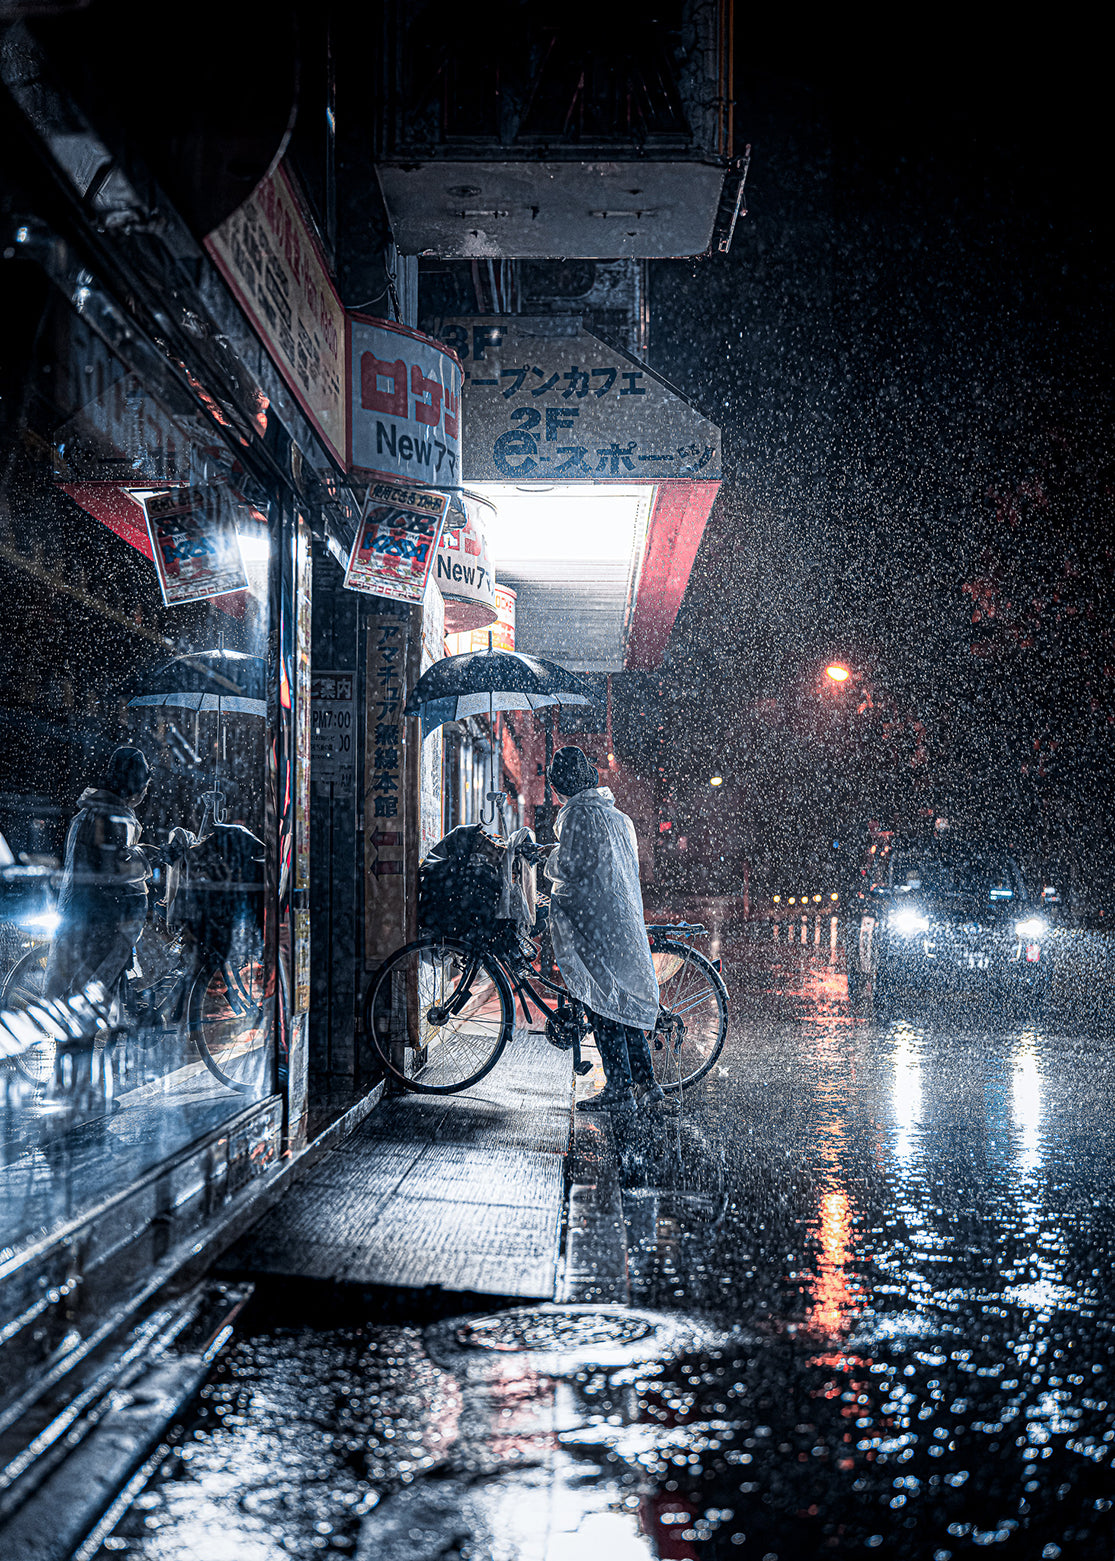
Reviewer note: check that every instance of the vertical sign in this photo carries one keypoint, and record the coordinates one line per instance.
(385, 785)
(302, 623)
(333, 726)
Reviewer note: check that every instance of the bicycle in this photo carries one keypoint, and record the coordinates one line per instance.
(450, 1002)
(220, 999)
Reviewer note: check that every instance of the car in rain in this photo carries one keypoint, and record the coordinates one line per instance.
(942, 918)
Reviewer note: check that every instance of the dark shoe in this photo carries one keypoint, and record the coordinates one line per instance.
(647, 1096)
(608, 1099)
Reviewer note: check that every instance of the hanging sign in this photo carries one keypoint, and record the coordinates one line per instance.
(549, 402)
(502, 631)
(396, 540)
(463, 568)
(404, 404)
(194, 543)
(270, 259)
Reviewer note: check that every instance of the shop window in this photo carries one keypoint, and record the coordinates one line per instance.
(136, 978)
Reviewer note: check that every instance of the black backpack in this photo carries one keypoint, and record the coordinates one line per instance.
(459, 884)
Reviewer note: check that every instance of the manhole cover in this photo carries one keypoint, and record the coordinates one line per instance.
(550, 1331)
(565, 1338)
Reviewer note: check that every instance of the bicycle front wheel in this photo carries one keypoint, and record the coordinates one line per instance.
(21, 990)
(438, 1015)
(228, 1021)
(692, 1016)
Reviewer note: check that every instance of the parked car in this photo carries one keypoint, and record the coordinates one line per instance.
(942, 917)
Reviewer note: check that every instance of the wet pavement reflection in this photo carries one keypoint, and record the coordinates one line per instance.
(872, 1312)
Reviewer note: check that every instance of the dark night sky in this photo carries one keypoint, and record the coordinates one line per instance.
(920, 292)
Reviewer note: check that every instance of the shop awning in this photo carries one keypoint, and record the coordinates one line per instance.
(602, 476)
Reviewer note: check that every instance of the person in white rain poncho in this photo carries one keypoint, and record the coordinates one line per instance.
(600, 939)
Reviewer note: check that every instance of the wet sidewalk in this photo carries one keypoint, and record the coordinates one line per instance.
(464, 1193)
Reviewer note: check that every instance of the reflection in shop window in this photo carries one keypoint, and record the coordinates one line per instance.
(135, 981)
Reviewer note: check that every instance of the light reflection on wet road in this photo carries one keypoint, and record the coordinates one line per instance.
(901, 1238)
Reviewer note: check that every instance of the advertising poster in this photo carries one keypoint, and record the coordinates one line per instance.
(395, 542)
(194, 543)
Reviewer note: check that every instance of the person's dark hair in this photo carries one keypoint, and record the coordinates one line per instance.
(127, 772)
(571, 771)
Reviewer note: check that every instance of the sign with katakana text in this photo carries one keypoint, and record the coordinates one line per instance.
(547, 401)
(194, 543)
(404, 404)
(396, 541)
(270, 259)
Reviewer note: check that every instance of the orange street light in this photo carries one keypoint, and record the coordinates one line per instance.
(837, 673)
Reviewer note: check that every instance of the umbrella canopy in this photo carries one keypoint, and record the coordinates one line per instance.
(488, 680)
(229, 682)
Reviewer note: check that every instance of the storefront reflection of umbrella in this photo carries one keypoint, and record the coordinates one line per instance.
(226, 682)
(229, 682)
(489, 680)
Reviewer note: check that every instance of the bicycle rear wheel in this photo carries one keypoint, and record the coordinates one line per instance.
(692, 1018)
(22, 988)
(228, 1021)
(438, 1004)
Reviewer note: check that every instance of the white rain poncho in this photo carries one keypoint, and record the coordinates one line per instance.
(596, 911)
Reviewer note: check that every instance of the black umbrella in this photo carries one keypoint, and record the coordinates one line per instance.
(228, 681)
(491, 680)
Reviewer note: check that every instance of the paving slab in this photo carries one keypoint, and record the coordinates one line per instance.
(465, 1192)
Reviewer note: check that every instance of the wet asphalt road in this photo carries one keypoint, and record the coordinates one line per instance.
(885, 1255)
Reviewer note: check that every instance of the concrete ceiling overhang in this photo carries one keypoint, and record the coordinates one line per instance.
(608, 209)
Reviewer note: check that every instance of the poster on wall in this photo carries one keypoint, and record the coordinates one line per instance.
(270, 259)
(404, 404)
(194, 543)
(396, 541)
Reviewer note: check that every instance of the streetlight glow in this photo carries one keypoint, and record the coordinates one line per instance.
(716, 780)
(837, 673)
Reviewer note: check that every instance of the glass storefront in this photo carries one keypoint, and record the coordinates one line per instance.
(140, 761)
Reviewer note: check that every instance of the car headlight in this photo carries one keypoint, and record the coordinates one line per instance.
(1032, 927)
(907, 921)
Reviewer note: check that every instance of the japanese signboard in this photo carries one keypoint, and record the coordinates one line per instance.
(303, 599)
(385, 784)
(194, 543)
(333, 719)
(463, 571)
(432, 751)
(268, 256)
(549, 402)
(404, 404)
(395, 543)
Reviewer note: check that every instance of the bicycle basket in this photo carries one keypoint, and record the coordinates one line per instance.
(459, 883)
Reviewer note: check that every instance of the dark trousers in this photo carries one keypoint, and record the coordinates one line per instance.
(624, 1051)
